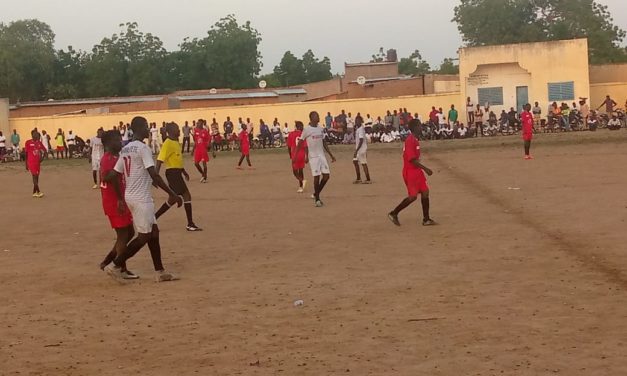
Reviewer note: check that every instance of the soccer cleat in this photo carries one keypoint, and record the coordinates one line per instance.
(36, 195)
(115, 272)
(164, 276)
(95, 186)
(300, 190)
(127, 274)
(40, 195)
(428, 222)
(367, 182)
(319, 204)
(203, 180)
(394, 218)
(193, 227)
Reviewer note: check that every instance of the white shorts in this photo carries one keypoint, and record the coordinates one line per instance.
(319, 166)
(95, 163)
(361, 157)
(143, 216)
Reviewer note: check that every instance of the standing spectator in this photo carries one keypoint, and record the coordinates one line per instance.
(433, 117)
(187, 130)
(359, 120)
(368, 124)
(328, 121)
(215, 130)
(15, 142)
(350, 123)
(441, 119)
(45, 140)
(389, 120)
(537, 114)
(155, 139)
(609, 104)
(470, 111)
(71, 144)
(265, 135)
(3, 146)
(60, 142)
(162, 132)
(342, 120)
(276, 133)
(479, 120)
(585, 110)
(396, 121)
(452, 115)
(286, 132)
(124, 134)
(228, 128)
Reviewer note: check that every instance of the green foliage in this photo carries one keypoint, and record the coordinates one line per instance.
(490, 22)
(448, 66)
(413, 65)
(294, 71)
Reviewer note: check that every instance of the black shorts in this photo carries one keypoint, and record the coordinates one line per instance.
(176, 180)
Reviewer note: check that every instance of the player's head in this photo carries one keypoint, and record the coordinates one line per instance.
(173, 131)
(112, 141)
(99, 133)
(139, 126)
(299, 125)
(314, 117)
(244, 127)
(414, 126)
(527, 107)
(34, 134)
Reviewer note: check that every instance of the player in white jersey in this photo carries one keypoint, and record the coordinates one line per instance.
(359, 158)
(138, 168)
(96, 151)
(314, 136)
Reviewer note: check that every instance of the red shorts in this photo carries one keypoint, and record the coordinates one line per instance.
(34, 168)
(246, 151)
(298, 164)
(527, 136)
(121, 221)
(415, 181)
(201, 155)
(60, 148)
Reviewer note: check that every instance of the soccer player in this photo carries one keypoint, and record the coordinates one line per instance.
(314, 136)
(414, 176)
(201, 143)
(34, 154)
(527, 124)
(171, 155)
(96, 151)
(113, 203)
(360, 153)
(244, 148)
(298, 160)
(138, 168)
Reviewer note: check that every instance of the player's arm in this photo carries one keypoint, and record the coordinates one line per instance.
(326, 148)
(158, 166)
(113, 178)
(416, 162)
(158, 181)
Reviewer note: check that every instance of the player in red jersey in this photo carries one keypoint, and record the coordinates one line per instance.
(34, 154)
(202, 140)
(298, 160)
(527, 126)
(414, 176)
(244, 148)
(115, 208)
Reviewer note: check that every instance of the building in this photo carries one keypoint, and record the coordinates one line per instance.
(512, 75)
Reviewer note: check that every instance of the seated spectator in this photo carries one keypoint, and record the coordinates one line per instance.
(387, 137)
(349, 138)
(265, 136)
(378, 125)
(447, 132)
(504, 119)
(512, 117)
(593, 121)
(461, 131)
(437, 131)
(614, 124)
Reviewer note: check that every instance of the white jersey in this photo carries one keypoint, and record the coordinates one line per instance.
(135, 159)
(3, 142)
(97, 148)
(154, 134)
(71, 139)
(124, 134)
(360, 133)
(314, 137)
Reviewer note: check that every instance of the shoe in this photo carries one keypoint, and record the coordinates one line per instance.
(193, 227)
(319, 204)
(115, 272)
(36, 195)
(358, 181)
(129, 275)
(527, 157)
(95, 186)
(203, 180)
(164, 276)
(428, 222)
(313, 197)
(394, 218)
(239, 167)
(300, 190)
(304, 185)
(40, 195)
(367, 182)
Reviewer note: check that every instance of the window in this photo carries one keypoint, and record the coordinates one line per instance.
(492, 95)
(561, 91)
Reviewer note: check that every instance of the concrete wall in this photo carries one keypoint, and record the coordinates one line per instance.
(4, 117)
(317, 90)
(616, 90)
(86, 125)
(546, 62)
(600, 74)
(384, 89)
(374, 70)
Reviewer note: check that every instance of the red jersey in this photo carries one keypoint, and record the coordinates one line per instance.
(411, 151)
(527, 122)
(202, 138)
(293, 139)
(109, 197)
(32, 149)
(244, 142)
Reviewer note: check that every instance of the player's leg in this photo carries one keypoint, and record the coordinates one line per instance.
(187, 204)
(197, 165)
(248, 160)
(204, 169)
(366, 172)
(357, 172)
(424, 200)
(35, 184)
(241, 159)
(155, 253)
(393, 215)
(323, 183)
(527, 147)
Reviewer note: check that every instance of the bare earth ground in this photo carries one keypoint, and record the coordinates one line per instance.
(515, 282)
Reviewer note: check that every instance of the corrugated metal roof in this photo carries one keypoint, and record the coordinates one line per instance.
(396, 78)
(290, 91)
(268, 94)
(91, 101)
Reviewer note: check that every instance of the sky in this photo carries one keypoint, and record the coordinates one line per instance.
(344, 30)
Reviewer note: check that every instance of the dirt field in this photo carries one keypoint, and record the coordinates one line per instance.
(528, 281)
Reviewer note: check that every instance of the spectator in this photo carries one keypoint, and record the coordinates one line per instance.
(537, 115)
(504, 120)
(186, 137)
(123, 133)
(565, 116)
(155, 139)
(286, 131)
(461, 131)
(240, 125)
(45, 140)
(15, 143)
(452, 115)
(584, 109)
(163, 132)
(593, 121)
(433, 117)
(479, 120)
(359, 120)
(60, 141)
(328, 121)
(276, 133)
(441, 119)
(342, 121)
(368, 122)
(396, 120)
(215, 129)
(389, 119)
(447, 131)
(71, 144)
(265, 136)
(609, 104)
(493, 121)
(614, 124)
(378, 125)
(228, 127)
(3, 146)
(350, 123)
(512, 117)
(470, 111)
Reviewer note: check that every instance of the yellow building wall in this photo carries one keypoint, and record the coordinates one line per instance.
(616, 90)
(85, 126)
(546, 62)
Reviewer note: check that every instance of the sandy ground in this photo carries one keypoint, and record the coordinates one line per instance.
(528, 281)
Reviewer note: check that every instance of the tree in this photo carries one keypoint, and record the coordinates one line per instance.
(294, 71)
(448, 66)
(490, 22)
(69, 75)
(26, 59)
(413, 65)
(380, 56)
